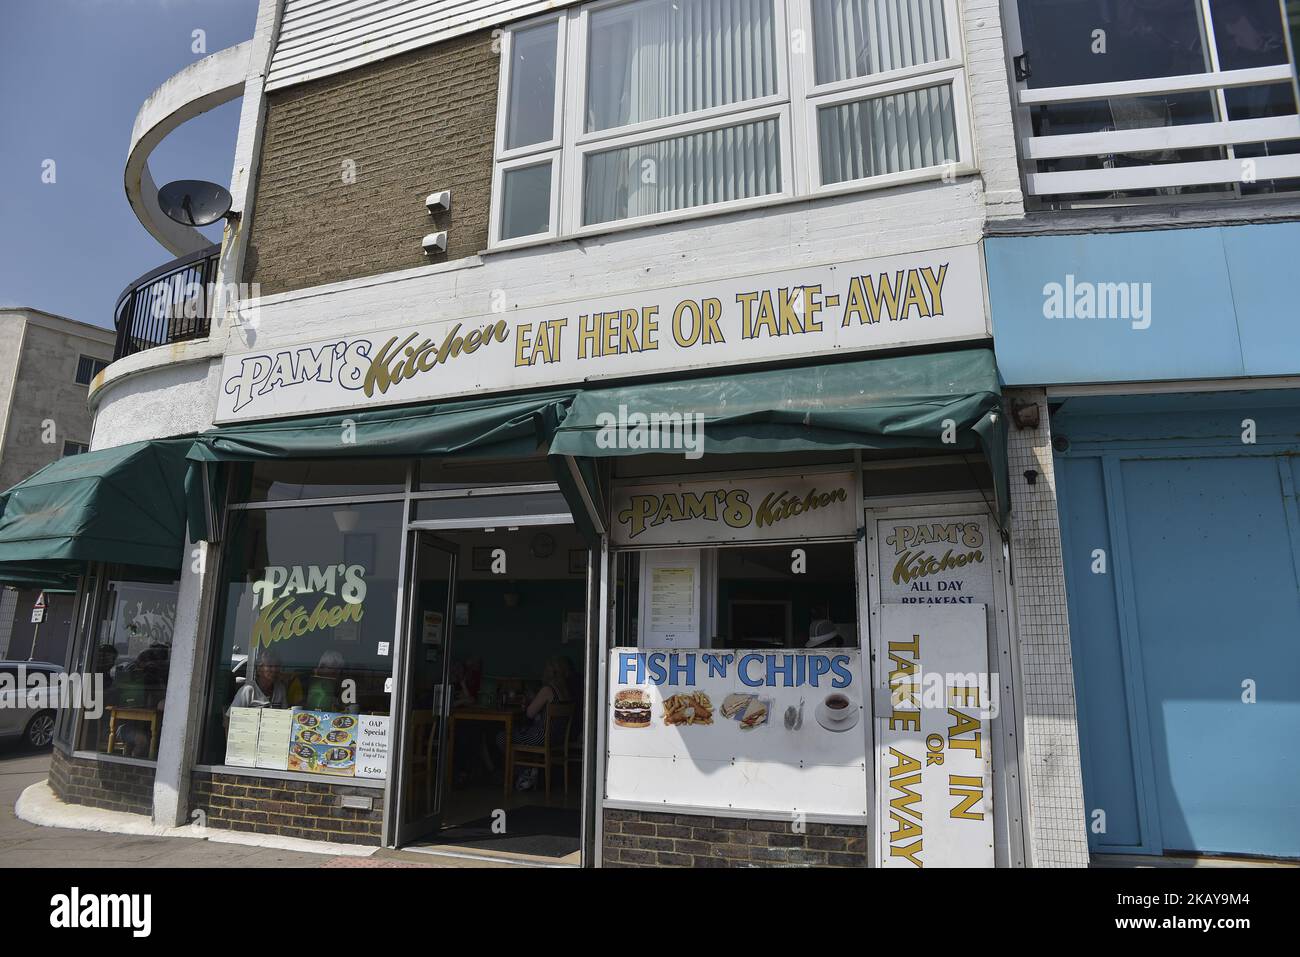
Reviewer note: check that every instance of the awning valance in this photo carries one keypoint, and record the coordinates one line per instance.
(948, 401)
(124, 505)
(509, 426)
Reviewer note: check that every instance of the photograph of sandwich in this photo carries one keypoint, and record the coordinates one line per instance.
(632, 708)
(734, 704)
(755, 714)
(748, 709)
(693, 708)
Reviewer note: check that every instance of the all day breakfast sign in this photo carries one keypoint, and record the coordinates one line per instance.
(861, 305)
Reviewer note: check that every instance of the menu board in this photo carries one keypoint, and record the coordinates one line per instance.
(323, 742)
(273, 739)
(242, 736)
(670, 598)
(372, 746)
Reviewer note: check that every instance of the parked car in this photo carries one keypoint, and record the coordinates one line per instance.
(18, 719)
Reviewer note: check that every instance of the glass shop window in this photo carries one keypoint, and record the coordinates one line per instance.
(307, 619)
(759, 597)
(129, 646)
(293, 479)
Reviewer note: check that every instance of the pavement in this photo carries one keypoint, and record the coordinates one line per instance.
(30, 845)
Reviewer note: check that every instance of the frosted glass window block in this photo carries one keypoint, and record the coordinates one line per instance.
(659, 58)
(857, 38)
(681, 172)
(526, 200)
(887, 134)
(531, 114)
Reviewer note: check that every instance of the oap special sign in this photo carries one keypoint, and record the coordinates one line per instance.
(780, 731)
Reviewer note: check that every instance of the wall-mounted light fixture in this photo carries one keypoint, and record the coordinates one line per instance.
(435, 243)
(439, 201)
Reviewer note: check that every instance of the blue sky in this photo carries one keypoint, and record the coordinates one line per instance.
(73, 73)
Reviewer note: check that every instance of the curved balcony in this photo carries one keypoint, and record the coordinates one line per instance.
(169, 304)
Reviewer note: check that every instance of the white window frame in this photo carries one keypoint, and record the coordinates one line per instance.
(794, 105)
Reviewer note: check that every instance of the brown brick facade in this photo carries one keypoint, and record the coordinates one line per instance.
(104, 784)
(310, 810)
(650, 839)
(412, 124)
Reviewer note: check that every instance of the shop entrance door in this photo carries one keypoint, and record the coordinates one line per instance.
(431, 591)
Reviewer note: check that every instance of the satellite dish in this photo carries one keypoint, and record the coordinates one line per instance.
(194, 202)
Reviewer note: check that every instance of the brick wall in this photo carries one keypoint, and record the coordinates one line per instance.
(304, 809)
(652, 839)
(409, 125)
(104, 784)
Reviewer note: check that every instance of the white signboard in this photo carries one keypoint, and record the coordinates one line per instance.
(736, 510)
(372, 746)
(936, 560)
(775, 731)
(935, 296)
(934, 759)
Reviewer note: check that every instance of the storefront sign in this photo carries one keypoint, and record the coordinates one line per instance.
(935, 560)
(737, 510)
(339, 592)
(780, 731)
(936, 296)
(934, 757)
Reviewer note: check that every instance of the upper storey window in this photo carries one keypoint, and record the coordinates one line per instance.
(1143, 100)
(625, 112)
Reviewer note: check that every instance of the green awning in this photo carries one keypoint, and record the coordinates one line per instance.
(124, 505)
(507, 426)
(894, 403)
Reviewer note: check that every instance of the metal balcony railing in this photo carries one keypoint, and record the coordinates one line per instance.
(169, 304)
(1143, 154)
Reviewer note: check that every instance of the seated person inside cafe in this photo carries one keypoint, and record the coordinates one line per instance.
(140, 687)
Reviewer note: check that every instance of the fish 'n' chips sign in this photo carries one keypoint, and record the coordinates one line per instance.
(936, 296)
(765, 731)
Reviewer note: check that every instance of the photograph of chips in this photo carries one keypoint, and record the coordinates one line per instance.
(694, 708)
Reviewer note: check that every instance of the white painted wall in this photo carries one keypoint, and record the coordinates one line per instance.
(165, 400)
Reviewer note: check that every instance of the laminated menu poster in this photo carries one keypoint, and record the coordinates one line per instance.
(241, 737)
(323, 742)
(273, 739)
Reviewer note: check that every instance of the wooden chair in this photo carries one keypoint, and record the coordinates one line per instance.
(424, 732)
(553, 749)
(573, 748)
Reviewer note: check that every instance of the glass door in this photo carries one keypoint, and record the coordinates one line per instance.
(424, 699)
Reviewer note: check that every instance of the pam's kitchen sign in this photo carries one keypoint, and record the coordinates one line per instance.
(818, 310)
(736, 510)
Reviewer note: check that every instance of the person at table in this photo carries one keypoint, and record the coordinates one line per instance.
(532, 730)
(142, 687)
(266, 690)
(324, 685)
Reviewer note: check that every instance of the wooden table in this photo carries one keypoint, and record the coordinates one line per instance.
(492, 715)
(150, 715)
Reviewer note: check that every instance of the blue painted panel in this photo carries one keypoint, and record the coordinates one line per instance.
(1109, 783)
(1263, 262)
(1222, 305)
(1214, 578)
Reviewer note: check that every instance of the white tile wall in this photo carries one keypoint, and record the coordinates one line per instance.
(1057, 821)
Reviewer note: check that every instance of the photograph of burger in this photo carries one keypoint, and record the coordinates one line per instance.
(632, 708)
